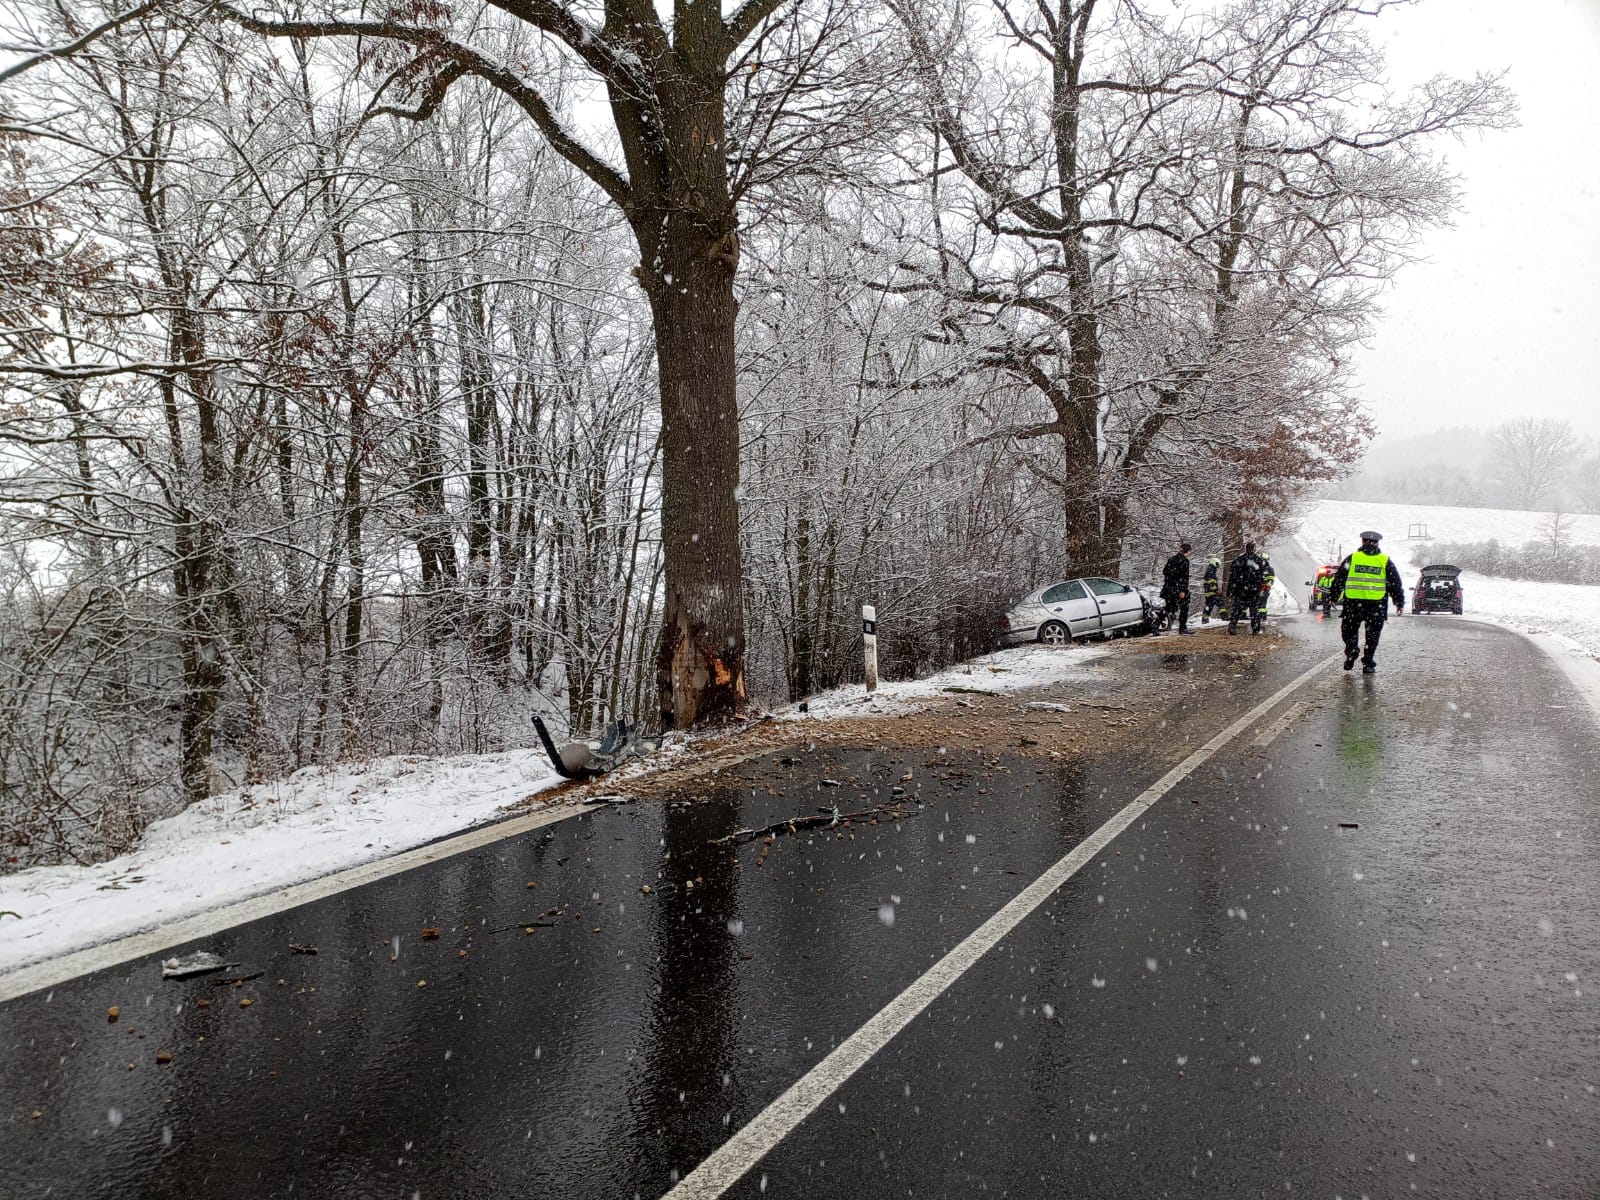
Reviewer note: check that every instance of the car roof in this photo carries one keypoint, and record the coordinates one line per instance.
(1441, 569)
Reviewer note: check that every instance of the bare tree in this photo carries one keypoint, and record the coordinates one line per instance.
(267, 369)
(685, 168)
(1556, 530)
(1171, 227)
(1532, 457)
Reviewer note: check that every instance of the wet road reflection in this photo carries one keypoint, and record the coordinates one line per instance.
(566, 1034)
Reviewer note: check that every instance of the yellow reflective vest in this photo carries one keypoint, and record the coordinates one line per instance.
(1368, 577)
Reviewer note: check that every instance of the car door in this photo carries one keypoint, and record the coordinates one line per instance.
(1071, 603)
(1118, 603)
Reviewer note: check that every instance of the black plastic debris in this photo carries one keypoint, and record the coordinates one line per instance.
(586, 760)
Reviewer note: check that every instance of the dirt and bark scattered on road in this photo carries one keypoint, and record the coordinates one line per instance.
(1130, 693)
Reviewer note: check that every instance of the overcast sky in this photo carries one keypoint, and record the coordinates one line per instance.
(1504, 318)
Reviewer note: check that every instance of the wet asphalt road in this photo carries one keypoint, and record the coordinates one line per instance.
(1240, 997)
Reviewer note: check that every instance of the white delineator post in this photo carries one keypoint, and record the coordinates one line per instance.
(869, 641)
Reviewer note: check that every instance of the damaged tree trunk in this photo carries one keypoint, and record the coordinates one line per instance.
(700, 667)
(685, 220)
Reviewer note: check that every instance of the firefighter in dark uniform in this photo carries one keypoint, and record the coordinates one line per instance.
(1175, 588)
(1213, 597)
(1368, 580)
(1244, 588)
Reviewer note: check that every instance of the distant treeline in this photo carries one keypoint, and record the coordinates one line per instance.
(1532, 464)
(1537, 560)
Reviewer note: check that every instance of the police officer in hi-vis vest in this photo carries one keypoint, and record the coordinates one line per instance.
(1367, 579)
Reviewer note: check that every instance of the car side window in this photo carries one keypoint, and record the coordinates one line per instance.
(1062, 592)
(1104, 587)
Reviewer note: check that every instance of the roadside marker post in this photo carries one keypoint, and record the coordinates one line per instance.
(869, 642)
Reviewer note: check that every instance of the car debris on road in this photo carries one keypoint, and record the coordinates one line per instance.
(585, 760)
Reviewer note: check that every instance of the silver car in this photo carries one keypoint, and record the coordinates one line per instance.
(1077, 608)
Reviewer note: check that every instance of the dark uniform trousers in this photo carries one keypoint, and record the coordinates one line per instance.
(1358, 613)
(1182, 606)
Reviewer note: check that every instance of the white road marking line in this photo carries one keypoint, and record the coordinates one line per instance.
(1291, 714)
(729, 1162)
(53, 971)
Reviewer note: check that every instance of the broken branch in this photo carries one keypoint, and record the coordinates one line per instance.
(826, 819)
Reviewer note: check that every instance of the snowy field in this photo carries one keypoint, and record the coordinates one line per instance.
(255, 840)
(1329, 528)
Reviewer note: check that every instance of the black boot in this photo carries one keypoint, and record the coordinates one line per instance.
(1349, 659)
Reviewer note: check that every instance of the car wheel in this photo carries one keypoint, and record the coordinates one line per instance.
(1054, 633)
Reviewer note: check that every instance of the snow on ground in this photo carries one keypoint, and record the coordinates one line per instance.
(258, 839)
(1004, 671)
(1571, 611)
(318, 821)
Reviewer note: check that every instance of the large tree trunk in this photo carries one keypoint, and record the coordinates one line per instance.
(687, 229)
(700, 666)
(1113, 531)
(1086, 552)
